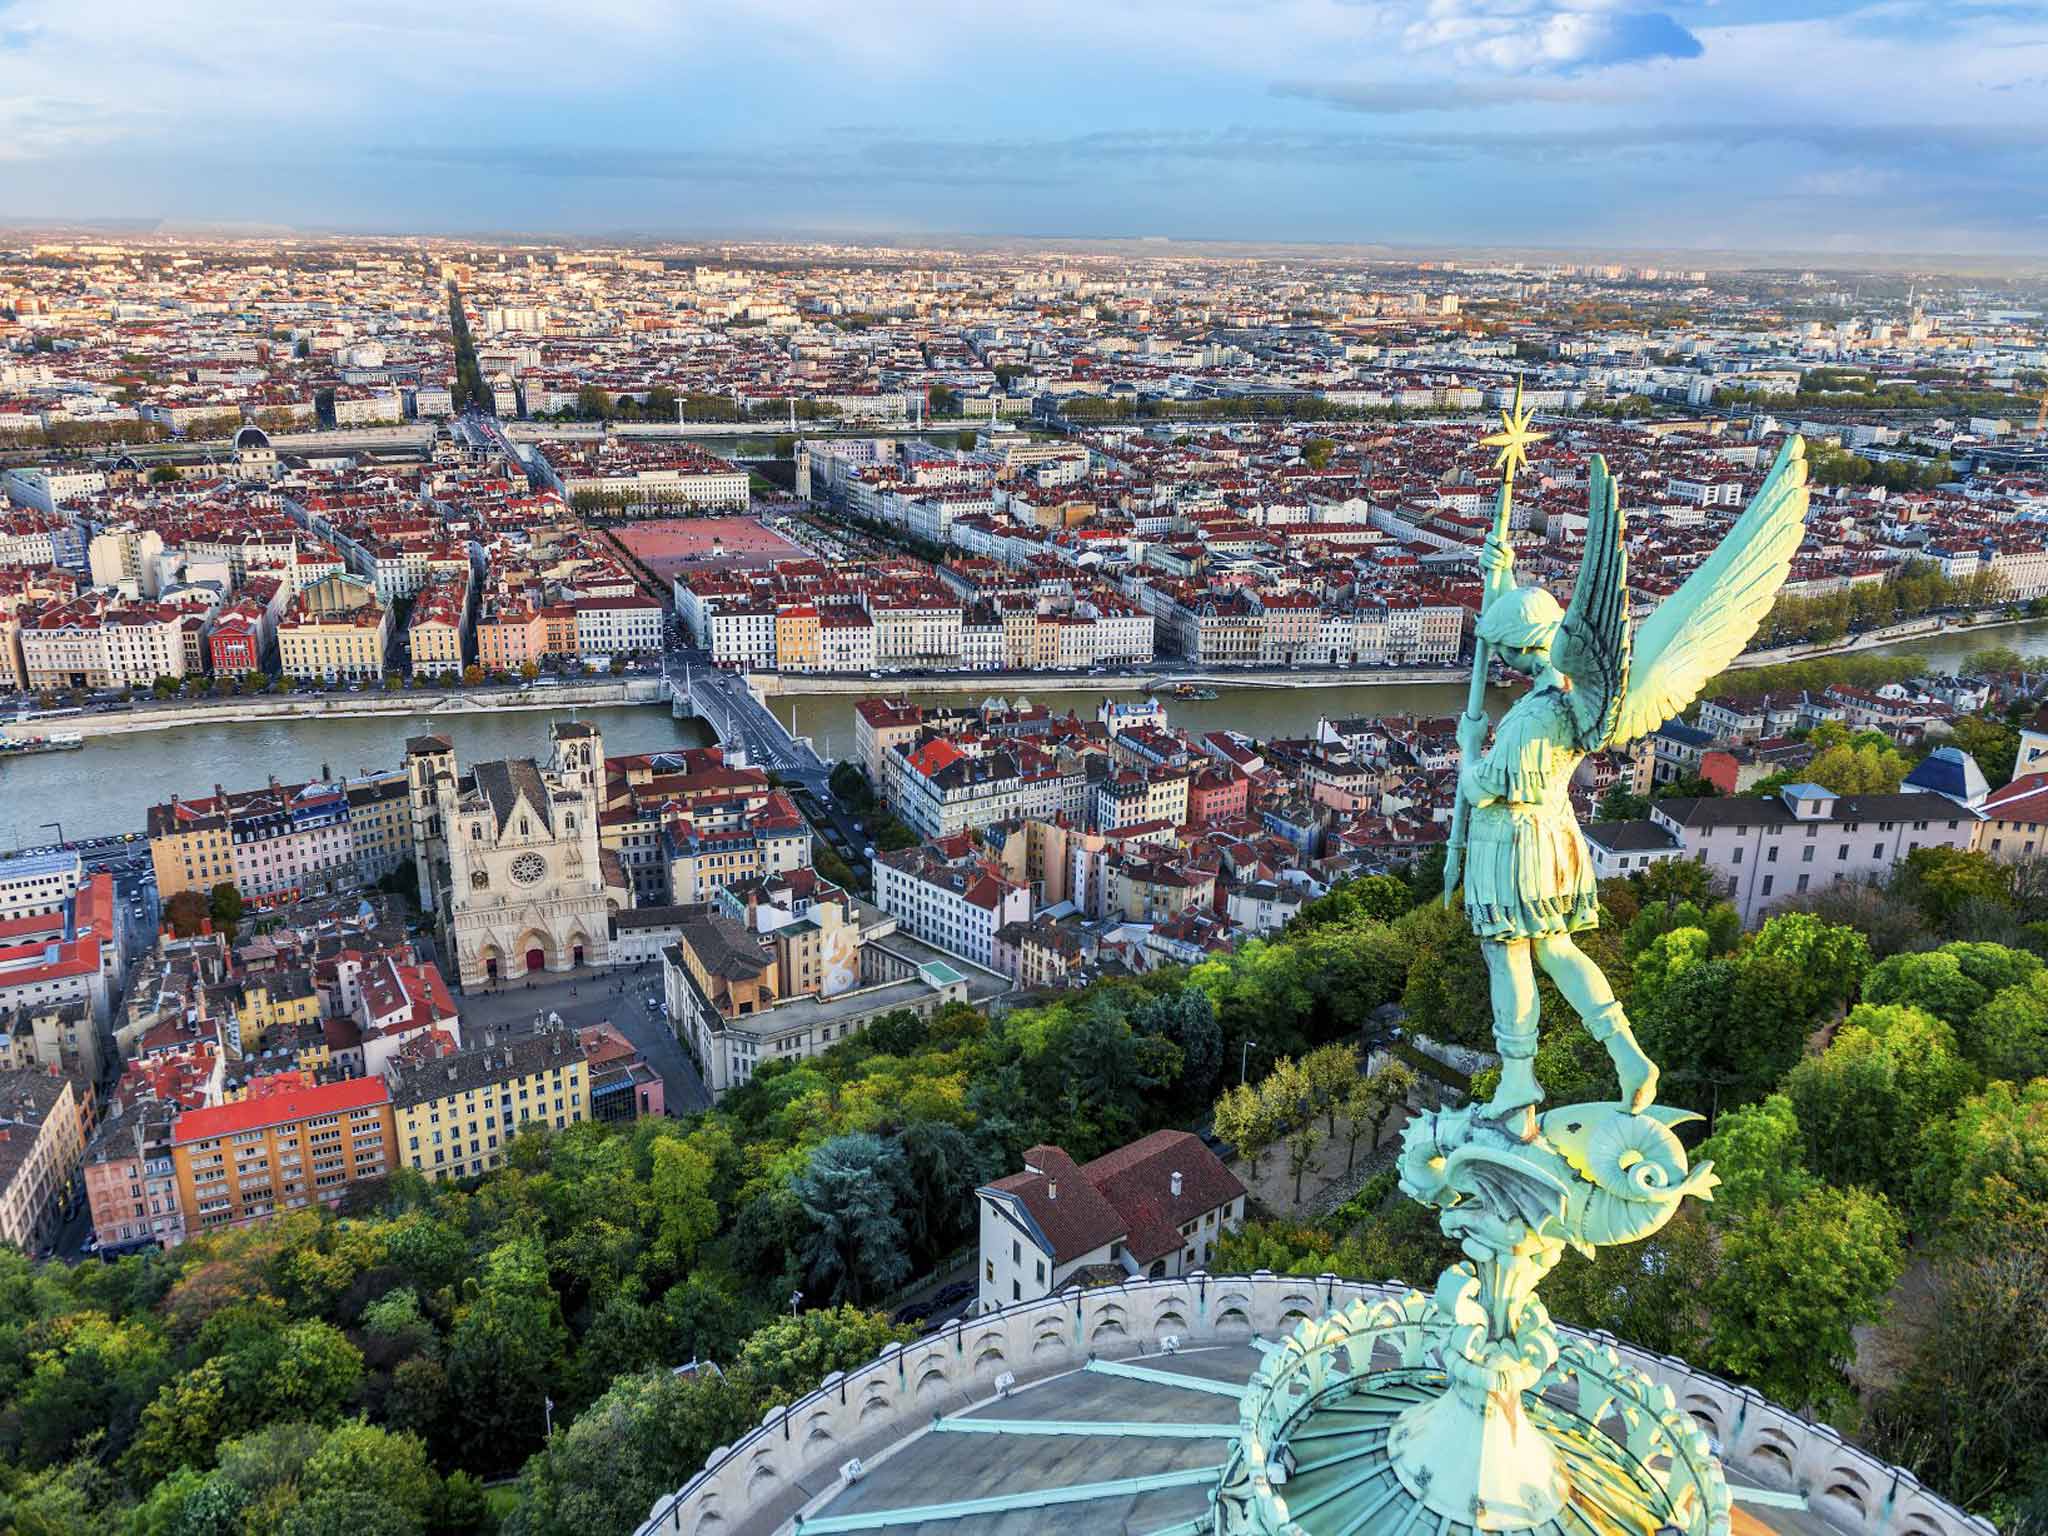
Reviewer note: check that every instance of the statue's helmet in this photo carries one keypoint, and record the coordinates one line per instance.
(1523, 619)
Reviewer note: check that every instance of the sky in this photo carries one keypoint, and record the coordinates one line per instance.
(1811, 125)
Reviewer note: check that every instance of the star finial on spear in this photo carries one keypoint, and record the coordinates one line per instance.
(1514, 437)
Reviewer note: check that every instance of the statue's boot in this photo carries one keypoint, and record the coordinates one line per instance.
(1514, 1101)
(1638, 1074)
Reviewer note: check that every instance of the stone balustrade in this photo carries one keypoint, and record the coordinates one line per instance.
(756, 1486)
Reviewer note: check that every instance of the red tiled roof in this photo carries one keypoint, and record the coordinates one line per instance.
(1138, 1181)
(278, 1108)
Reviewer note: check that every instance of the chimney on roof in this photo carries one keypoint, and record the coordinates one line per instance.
(1175, 1184)
(1052, 1189)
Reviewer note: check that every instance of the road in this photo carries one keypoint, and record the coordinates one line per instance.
(723, 700)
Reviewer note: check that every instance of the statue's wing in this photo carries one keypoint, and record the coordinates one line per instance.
(1705, 624)
(1592, 643)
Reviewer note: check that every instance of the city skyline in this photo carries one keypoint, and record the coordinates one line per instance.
(1820, 127)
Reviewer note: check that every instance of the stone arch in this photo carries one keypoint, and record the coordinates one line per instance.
(526, 944)
(761, 1472)
(490, 959)
(1049, 1341)
(1705, 1410)
(819, 1431)
(1771, 1450)
(991, 1356)
(1233, 1322)
(1108, 1328)
(578, 946)
(1847, 1489)
(877, 1401)
(932, 1383)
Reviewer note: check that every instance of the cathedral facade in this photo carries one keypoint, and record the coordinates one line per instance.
(508, 856)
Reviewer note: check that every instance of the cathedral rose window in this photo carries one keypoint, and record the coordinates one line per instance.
(528, 868)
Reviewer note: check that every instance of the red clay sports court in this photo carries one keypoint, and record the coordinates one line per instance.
(670, 545)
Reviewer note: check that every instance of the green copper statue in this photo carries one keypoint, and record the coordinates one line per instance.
(1528, 876)
(1466, 1410)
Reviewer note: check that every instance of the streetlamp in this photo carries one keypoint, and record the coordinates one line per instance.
(548, 1415)
(795, 1298)
(1244, 1061)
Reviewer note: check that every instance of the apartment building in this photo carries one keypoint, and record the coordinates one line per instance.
(434, 630)
(72, 955)
(44, 1121)
(334, 630)
(1766, 849)
(617, 626)
(131, 1181)
(949, 895)
(456, 1115)
(57, 1037)
(282, 839)
(940, 785)
(1133, 798)
(792, 987)
(289, 1144)
(36, 883)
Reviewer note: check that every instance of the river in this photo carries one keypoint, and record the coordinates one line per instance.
(108, 785)
(1267, 712)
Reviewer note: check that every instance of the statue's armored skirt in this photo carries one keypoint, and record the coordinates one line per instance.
(1528, 871)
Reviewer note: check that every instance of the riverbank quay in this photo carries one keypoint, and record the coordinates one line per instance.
(442, 704)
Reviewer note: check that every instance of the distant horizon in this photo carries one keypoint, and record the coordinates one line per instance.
(1827, 130)
(1731, 259)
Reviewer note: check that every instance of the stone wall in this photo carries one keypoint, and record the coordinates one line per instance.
(755, 1487)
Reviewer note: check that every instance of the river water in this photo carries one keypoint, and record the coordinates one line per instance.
(108, 786)
(1267, 712)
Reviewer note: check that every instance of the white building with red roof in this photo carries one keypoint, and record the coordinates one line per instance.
(1155, 1208)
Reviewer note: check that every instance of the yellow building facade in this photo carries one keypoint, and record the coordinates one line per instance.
(456, 1115)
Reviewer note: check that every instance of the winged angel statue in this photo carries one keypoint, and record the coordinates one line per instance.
(1528, 877)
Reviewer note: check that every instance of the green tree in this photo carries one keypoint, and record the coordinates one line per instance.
(1933, 982)
(224, 905)
(1247, 1119)
(791, 1355)
(1994, 744)
(186, 912)
(853, 1193)
(1890, 1071)
(620, 1456)
(1794, 1283)
(1316, 451)
(1759, 1154)
(1970, 1414)
(682, 1194)
(2008, 1036)
(1988, 1158)
(1652, 1294)
(1945, 882)
(1622, 804)
(1369, 1101)
(507, 1348)
(363, 1459)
